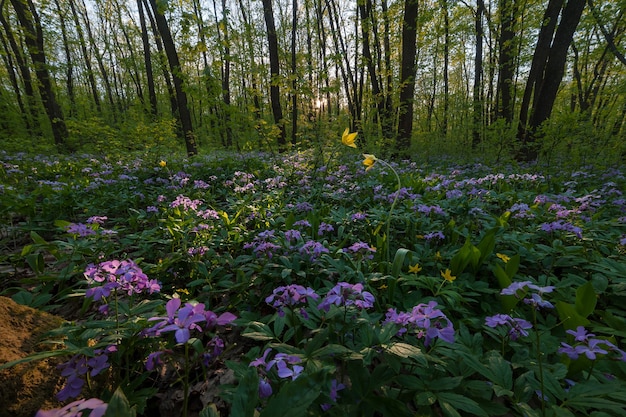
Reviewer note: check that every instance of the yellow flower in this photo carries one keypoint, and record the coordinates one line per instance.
(502, 256)
(348, 138)
(415, 268)
(438, 256)
(369, 161)
(448, 275)
(162, 164)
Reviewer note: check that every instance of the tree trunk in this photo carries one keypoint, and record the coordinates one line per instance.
(69, 65)
(176, 71)
(29, 20)
(407, 76)
(272, 41)
(508, 11)
(550, 70)
(294, 77)
(477, 96)
(147, 57)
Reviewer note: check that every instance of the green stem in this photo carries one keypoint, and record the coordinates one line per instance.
(540, 363)
(393, 205)
(186, 381)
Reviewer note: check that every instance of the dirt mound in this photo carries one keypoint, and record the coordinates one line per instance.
(27, 387)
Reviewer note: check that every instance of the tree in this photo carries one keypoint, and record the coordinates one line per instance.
(547, 70)
(176, 71)
(407, 75)
(33, 38)
(272, 41)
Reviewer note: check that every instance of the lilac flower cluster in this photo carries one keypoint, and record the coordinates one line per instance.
(521, 211)
(79, 229)
(78, 366)
(589, 346)
(290, 295)
(361, 250)
(77, 408)
(427, 210)
(347, 294)
(562, 225)
(186, 203)
(125, 276)
(261, 244)
(242, 182)
(286, 367)
(313, 250)
(424, 320)
(535, 299)
(436, 236)
(183, 319)
(516, 327)
(324, 228)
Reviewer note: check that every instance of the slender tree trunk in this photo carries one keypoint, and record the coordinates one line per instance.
(176, 71)
(407, 75)
(31, 122)
(294, 73)
(171, 94)
(86, 57)
(272, 40)
(94, 47)
(29, 20)
(446, 65)
(508, 11)
(226, 78)
(69, 65)
(147, 58)
(477, 96)
(253, 66)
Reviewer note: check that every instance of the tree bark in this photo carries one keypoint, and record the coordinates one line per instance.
(147, 57)
(29, 20)
(176, 71)
(272, 41)
(407, 75)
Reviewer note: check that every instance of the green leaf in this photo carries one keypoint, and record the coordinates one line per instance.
(569, 316)
(246, 396)
(460, 402)
(512, 266)
(294, 399)
(461, 259)
(502, 373)
(404, 350)
(119, 406)
(210, 411)
(398, 261)
(487, 244)
(586, 299)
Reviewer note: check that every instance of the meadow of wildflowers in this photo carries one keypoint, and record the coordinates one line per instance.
(348, 286)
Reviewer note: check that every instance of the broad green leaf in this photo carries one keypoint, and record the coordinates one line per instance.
(119, 406)
(586, 299)
(569, 316)
(398, 261)
(246, 396)
(210, 411)
(501, 371)
(460, 402)
(487, 244)
(512, 266)
(295, 397)
(404, 350)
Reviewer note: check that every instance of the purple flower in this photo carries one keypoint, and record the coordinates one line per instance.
(79, 229)
(154, 360)
(434, 236)
(362, 250)
(347, 294)
(516, 327)
(180, 320)
(323, 228)
(424, 320)
(333, 394)
(302, 223)
(78, 366)
(290, 295)
(292, 235)
(113, 275)
(313, 249)
(358, 216)
(77, 409)
(265, 388)
(304, 207)
(589, 346)
(97, 219)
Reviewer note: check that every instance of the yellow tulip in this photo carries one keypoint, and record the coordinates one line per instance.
(348, 138)
(369, 161)
(162, 164)
(502, 256)
(448, 275)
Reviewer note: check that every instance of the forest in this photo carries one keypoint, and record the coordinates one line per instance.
(512, 78)
(302, 208)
